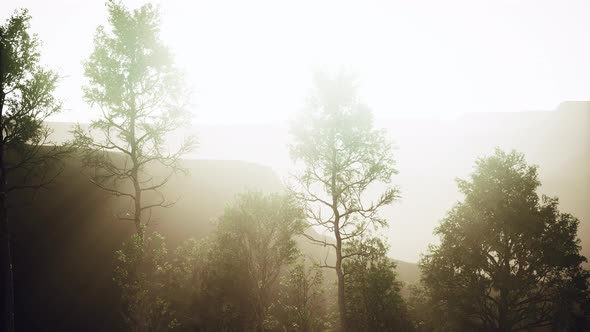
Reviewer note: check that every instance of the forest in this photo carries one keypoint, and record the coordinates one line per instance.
(110, 225)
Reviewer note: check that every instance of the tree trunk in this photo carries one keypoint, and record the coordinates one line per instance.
(6, 255)
(338, 266)
(259, 306)
(7, 274)
(259, 318)
(340, 274)
(137, 215)
(503, 324)
(135, 175)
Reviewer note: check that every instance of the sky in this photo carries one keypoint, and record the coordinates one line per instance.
(251, 61)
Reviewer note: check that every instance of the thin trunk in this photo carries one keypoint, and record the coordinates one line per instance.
(7, 273)
(259, 317)
(504, 324)
(305, 315)
(135, 175)
(338, 266)
(137, 214)
(503, 319)
(259, 306)
(340, 274)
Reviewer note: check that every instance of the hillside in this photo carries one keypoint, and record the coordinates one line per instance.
(431, 153)
(68, 234)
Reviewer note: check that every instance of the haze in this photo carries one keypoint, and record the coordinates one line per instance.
(294, 166)
(251, 62)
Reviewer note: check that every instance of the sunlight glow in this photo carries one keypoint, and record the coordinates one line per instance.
(251, 62)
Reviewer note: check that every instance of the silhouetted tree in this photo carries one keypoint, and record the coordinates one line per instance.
(188, 288)
(301, 303)
(141, 96)
(342, 156)
(143, 275)
(167, 291)
(27, 158)
(508, 259)
(422, 312)
(373, 299)
(254, 241)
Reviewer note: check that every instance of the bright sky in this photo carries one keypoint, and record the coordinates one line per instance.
(251, 61)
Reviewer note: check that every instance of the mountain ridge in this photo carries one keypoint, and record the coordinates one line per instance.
(431, 153)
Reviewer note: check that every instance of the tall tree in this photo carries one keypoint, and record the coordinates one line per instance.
(254, 242)
(342, 157)
(27, 157)
(508, 259)
(142, 99)
(374, 301)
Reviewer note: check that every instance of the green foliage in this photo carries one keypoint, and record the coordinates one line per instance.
(420, 309)
(26, 101)
(342, 155)
(143, 275)
(27, 158)
(254, 241)
(263, 228)
(301, 303)
(189, 280)
(373, 295)
(508, 259)
(141, 95)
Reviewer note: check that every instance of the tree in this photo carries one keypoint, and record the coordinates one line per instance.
(163, 291)
(27, 157)
(142, 99)
(254, 241)
(300, 305)
(190, 267)
(373, 299)
(143, 275)
(508, 260)
(422, 312)
(342, 157)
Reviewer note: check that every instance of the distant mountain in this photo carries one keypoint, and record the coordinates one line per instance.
(431, 153)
